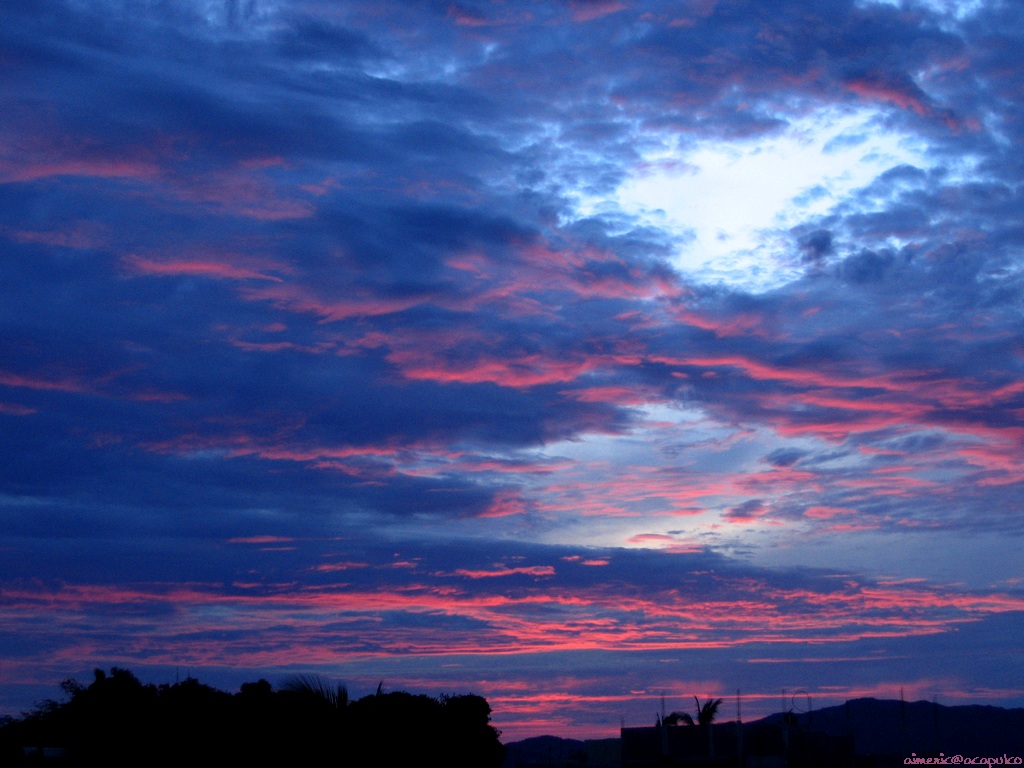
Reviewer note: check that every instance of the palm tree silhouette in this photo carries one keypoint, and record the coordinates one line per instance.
(706, 714)
(316, 688)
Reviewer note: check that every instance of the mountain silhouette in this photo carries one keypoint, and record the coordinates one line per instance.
(877, 732)
(889, 727)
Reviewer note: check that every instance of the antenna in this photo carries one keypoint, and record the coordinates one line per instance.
(810, 706)
(739, 731)
(903, 720)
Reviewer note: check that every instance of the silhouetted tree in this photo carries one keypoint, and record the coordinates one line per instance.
(315, 687)
(118, 721)
(195, 721)
(471, 739)
(706, 714)
(313, 718)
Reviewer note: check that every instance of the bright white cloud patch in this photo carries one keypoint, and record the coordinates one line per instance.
(957, 9)
(729, 202)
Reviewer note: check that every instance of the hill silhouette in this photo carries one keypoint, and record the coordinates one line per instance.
(552, 750)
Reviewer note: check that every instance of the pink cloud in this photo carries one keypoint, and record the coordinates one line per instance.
(506, 502)
(10, 379)
(77, 384)
(222, 266)
(651, 538)
(532, 570)
(272, 624)
(827, 513)
(79, 235)
(523, 371)
(11, 172)
(343, 566)
(14, 409)
(297, 298)
(876, 88)
(238, 192)
(588, 10)
(740, 324)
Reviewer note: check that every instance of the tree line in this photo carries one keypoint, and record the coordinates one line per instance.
(117, 720)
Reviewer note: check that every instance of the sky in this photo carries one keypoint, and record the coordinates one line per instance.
(573, 354)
